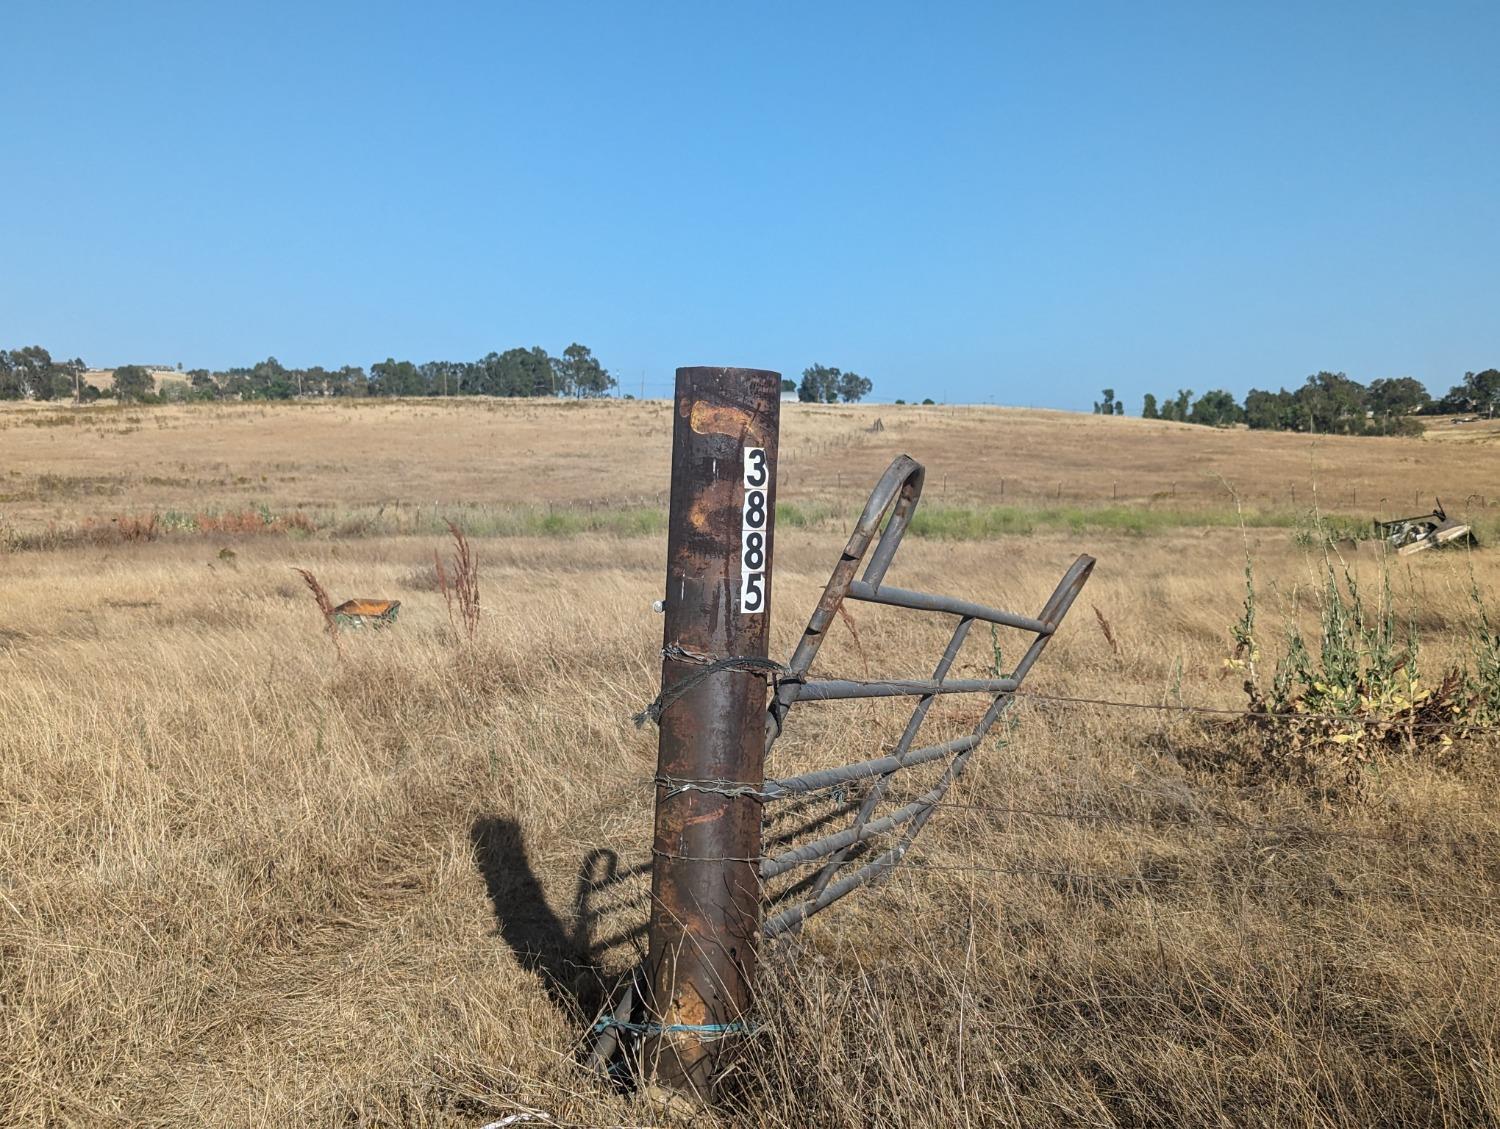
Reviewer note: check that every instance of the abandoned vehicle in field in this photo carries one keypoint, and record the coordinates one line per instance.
(1425, 531)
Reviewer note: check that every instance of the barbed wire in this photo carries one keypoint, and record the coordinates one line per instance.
(1396, 722)
(1227, 884)
(706, 668)
(1399, 721)
(736, 789)
(1282, 836)
(1017, 870)
(821, 860)
(1229, 823)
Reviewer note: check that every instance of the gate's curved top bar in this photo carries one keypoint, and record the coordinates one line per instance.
(899, 487)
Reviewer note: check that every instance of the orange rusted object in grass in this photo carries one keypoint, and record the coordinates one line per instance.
(362, 613)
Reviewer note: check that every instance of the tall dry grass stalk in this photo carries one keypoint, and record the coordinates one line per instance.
(859, 648)
(325, 605)
(1106, 630)
(459, 584)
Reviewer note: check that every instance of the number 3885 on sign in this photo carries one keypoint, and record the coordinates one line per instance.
(753, 548)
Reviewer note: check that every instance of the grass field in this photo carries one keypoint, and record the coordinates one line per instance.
(244, 881)
(62, 463)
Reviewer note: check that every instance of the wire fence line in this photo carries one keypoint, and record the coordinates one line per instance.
(1075, 882)
(1290, 840)
(740, 788)
(1198, 820)
(1283, 835)
(655, 708)
(1295, 836)
(1055, 874)
(1259, 715)
(1122, 879)
(1288, 834)
(1298, 838)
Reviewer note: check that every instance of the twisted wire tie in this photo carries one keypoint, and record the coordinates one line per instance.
(734, 789)
(747, 664)
(708, 1030)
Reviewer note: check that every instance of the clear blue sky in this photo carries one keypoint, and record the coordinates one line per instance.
(969, 201)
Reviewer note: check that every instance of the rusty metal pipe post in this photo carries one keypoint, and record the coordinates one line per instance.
(705, 887)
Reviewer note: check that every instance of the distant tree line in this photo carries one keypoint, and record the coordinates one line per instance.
(31, 373)
(515, 372)
(1328, 403)
(824, 385)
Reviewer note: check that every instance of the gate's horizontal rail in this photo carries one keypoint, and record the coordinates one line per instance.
(828, 777)
(831, 689)
(790, 918)
(818, 848)
(927, 602)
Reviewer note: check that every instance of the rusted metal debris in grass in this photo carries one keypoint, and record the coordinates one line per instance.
(1408, 535)
(367, 613)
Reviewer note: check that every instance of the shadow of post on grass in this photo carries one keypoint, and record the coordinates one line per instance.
(524, 919)
(568, 957)
(569, 960)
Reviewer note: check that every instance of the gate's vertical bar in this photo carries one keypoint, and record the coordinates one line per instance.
(705, 889)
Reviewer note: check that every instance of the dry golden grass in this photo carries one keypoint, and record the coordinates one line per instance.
(243, 882)
(63, 463)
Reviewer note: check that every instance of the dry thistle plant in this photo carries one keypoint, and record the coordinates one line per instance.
(325, 605)
(460, 589)
(1360, 692)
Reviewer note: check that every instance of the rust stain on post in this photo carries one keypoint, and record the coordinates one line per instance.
(705, 887)
(725, 419)
(712, 502)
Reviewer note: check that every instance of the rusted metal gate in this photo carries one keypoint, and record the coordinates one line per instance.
(716, 726)
(896, 494)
